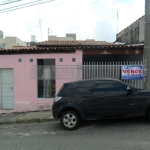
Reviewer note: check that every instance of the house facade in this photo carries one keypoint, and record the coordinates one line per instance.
(21, 87)
(31, 76)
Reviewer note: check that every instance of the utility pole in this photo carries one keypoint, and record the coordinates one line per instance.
(147, 46)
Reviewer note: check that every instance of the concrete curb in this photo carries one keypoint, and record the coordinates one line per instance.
(28, 121)
(27, 117)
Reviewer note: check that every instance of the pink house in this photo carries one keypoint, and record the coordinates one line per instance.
(20, 88)
(31, 76)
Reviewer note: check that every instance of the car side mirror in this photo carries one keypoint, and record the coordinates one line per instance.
(129, 90)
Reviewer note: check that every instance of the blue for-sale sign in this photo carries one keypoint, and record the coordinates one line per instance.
(132, 72)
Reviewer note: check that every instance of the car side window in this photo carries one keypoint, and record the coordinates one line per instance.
(83, 87)
(106, 87)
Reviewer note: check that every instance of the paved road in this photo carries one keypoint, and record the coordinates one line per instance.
(116, 134)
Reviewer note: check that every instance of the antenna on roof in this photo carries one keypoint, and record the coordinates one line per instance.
(40, 28)
(49, 31)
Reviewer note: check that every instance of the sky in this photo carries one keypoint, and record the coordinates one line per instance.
(88, 19)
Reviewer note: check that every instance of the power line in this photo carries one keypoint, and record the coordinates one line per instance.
(2, 2)
(67, 16)
(8, 9)
(9, 2)
(20, 5)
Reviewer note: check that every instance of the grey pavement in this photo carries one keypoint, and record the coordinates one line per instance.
(111, 134)
(26, 117)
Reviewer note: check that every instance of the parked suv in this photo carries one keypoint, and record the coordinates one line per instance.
(99, 98)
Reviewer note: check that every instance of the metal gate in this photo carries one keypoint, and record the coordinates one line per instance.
(92, 70)
(6, 89)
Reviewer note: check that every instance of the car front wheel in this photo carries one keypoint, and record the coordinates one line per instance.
(70, 120)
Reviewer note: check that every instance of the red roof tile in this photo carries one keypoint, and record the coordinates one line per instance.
(68, 46)
(73, 43)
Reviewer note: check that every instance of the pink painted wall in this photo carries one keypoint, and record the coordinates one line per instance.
(25, 86)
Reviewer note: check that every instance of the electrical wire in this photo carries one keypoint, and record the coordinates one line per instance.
(8, 9)
(9, 2)
(2, 2)
(20, 5)
(66, 16)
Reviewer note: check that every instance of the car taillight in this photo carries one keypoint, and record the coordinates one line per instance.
(57, 98)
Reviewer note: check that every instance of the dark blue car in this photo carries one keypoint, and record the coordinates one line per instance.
(98, 98)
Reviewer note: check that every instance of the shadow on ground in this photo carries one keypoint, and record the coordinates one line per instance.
(117, 122)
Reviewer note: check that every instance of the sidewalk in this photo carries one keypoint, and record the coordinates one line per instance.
(26, 117)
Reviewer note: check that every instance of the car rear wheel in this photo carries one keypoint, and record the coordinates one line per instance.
(70, 120)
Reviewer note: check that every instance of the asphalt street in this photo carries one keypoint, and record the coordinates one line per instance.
(115, 134)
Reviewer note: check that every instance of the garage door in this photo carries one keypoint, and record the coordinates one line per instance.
(6, 89)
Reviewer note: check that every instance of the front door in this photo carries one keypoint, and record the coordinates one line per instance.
(114, 101)
(6, 89)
